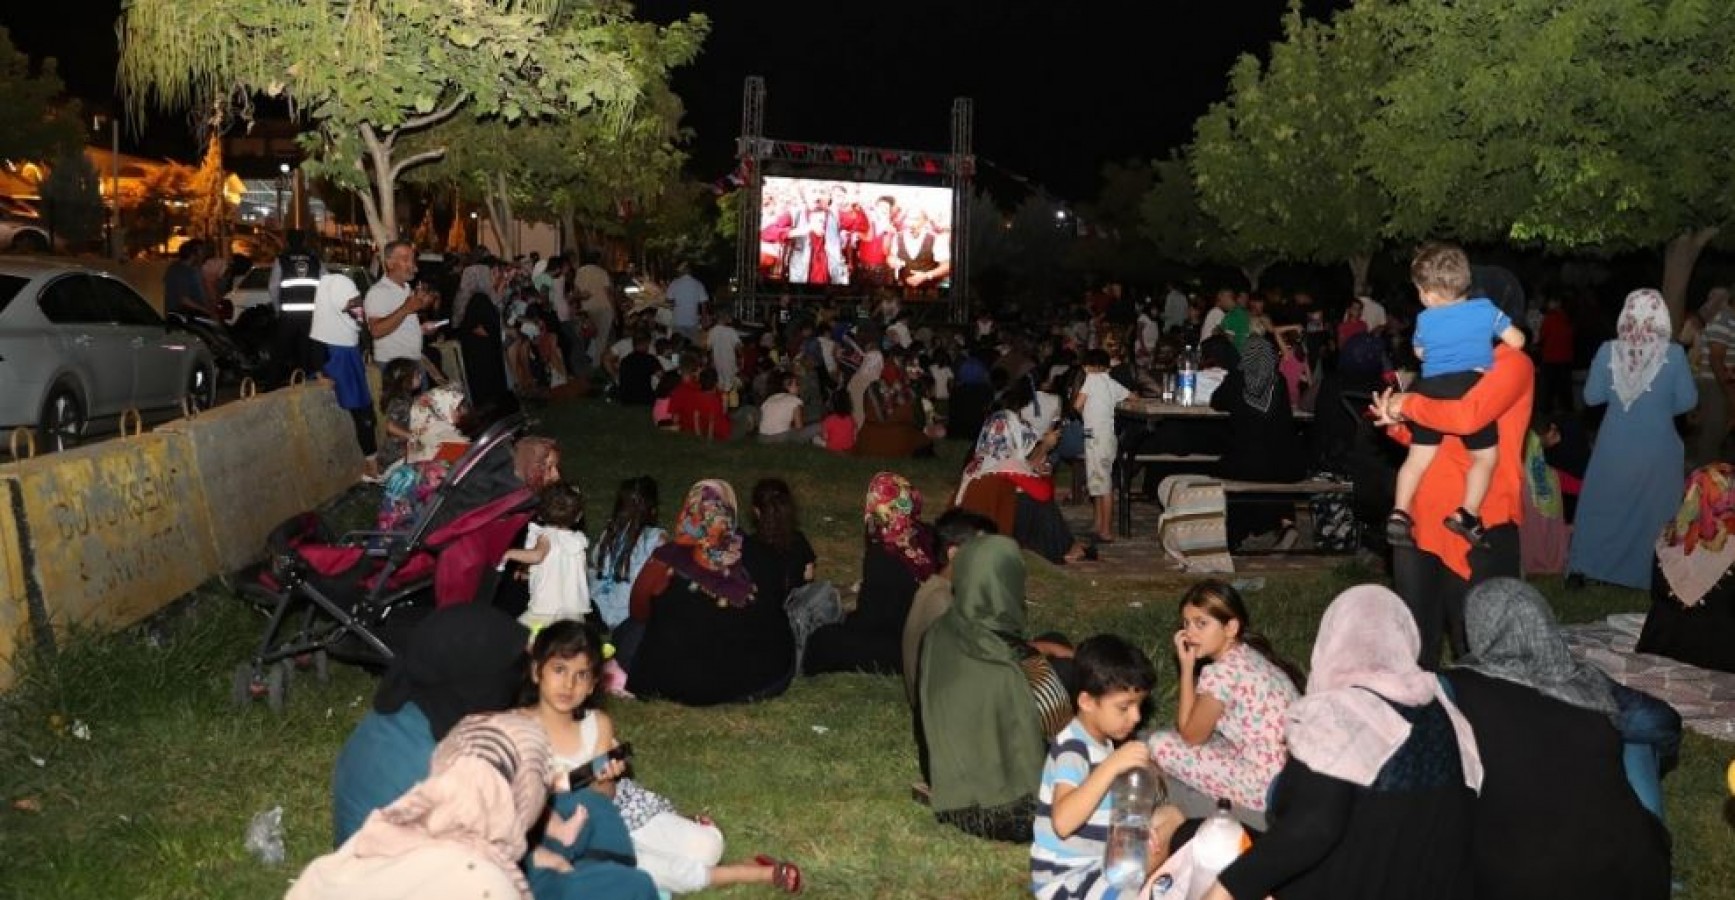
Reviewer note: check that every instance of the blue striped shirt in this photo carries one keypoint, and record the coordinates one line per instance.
(1067, 866)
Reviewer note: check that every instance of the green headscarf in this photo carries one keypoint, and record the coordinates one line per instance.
(985, 744)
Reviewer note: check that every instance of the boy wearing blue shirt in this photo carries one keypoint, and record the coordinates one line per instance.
(1072, 812)
(1454, 339)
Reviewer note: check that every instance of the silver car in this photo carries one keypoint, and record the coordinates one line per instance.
(79, 347)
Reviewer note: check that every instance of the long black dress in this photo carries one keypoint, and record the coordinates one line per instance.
(484, 358)
(870, 639)
(1262, 446)
(1556, 816)
(1407, 835)
(1702, 635)
(699, 651)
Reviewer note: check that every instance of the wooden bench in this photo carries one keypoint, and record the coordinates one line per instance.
(1285, 489)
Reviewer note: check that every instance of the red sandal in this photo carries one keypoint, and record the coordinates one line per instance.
(785, 876)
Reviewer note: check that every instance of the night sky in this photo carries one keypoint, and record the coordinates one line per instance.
(1059, 88)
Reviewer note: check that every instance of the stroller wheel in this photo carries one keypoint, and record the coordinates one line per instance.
(277, 686)
(241, 686)
(321, 666)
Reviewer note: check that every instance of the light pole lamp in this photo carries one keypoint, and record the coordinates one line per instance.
(282, 173)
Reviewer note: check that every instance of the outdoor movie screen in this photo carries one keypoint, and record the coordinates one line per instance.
(855, 233)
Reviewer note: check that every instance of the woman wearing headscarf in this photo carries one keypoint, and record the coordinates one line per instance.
(480, 338)
(898, 557)
(1634, 481)
(1008, 479)
(1692, 615)
(336, 329)
(982, 725)
(1264, 444)
(458, 661)
(708, 638)
(1377, 798)
(436, 439)
(460, 833)
(888, 424)
(1557, 816)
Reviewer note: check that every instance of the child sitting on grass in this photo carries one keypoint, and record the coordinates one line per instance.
(1454, 340)
(1072, 813)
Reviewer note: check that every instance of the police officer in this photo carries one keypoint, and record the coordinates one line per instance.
(294, 279)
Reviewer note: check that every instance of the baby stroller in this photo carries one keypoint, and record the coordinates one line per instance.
(354, 596)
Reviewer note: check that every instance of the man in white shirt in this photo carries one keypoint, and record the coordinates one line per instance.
(1174, 308)
(688, 297)
(1214, 318)
(725, 344)
(391, 307)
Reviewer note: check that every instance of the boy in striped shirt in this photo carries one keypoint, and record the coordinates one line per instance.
(1072, 812)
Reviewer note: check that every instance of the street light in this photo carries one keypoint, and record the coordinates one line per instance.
(282, 173)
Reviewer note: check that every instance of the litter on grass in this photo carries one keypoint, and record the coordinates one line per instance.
(265, 836)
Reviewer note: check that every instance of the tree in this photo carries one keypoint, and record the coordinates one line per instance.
(1180, 229)
(1112, 243)
(208, 208)
(1601, 125)
(72, 199)
(365, 75)
(34, 122)
(1280, 163)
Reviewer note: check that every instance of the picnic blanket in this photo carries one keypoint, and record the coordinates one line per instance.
(1704, 698)
(1193, 529)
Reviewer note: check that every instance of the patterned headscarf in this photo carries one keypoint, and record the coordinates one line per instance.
(1513, 637)
(705, 546)
(1259, 373)
(1641, 345)
(1003, 446)
(1694, 552)
(893, 519)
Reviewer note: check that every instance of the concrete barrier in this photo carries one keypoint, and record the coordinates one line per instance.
(108, 534)
(326, 458)
(247, 473)
(14, 603)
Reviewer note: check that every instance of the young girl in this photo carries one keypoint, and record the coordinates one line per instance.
(1235, 692)
(399, 384)
(680, 854)
(837, 429)
(555, 550)
(624, 546)
(660, 415)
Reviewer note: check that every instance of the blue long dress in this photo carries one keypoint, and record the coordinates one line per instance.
(1635, 479)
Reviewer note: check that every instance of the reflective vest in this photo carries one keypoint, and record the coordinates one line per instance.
(298, 274)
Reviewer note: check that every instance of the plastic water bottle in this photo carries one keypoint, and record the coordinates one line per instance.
(1187, 383)
(1132, 798)
(1215, 846)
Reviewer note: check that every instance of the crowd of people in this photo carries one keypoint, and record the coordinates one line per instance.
(488, 763)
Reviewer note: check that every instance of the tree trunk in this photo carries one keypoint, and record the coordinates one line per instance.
(1679, 257)
(500, 215)
(569, 232)
(1253, 271)
(1358, 269)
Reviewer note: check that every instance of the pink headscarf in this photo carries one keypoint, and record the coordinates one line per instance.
(1367, 646)
(1641, 345)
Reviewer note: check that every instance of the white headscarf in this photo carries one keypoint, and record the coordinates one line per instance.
(332, 323)
(1641, 345)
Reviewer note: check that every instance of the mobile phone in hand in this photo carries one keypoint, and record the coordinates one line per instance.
(589, 772)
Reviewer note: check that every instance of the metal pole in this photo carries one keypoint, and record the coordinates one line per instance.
(116, 245)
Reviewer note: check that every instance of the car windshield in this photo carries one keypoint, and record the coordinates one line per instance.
(257, 278)
(10, 285)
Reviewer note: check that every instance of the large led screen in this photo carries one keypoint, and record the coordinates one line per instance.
(855, 233)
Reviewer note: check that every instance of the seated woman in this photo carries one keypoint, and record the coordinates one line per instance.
(1008, 480)
(986, 711)
(708, 638)
(1378, 796)
(898, 558)
(891, 426)
(1546, 725)
(1235, 691)
(1692, 616)
(777, 554)
(436, 439)
(1263, 444)
(461, 831)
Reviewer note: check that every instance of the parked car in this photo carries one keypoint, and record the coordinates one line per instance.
(21, 228)
(80, 347)
(251, 289)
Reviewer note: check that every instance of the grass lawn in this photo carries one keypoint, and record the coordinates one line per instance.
(155, 803)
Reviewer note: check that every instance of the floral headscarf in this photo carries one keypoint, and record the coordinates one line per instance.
(1003, 446)
(893, 519)
(1694, 552)
(705, 546)
(1641, 345)
(434, 421)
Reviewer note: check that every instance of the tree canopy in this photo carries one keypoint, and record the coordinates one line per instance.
(36, 123)
(364, 74)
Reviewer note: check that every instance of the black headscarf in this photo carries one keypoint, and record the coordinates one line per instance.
(459, 661)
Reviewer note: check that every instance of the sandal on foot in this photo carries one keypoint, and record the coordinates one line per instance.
(1399, 531)
(785, 876)
(1468, 527)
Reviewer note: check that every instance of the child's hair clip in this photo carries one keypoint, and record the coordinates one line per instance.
(607, 651)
